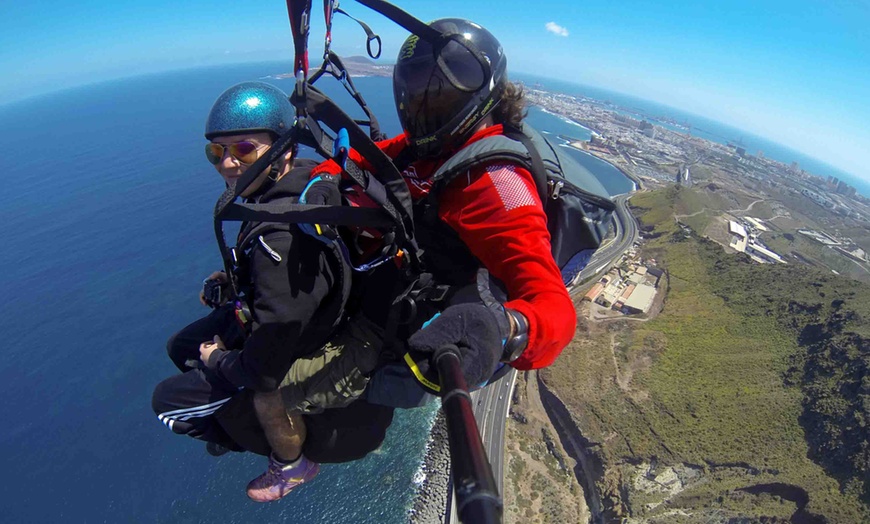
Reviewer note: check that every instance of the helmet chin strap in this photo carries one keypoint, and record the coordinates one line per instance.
(271, 178)
(275, 170)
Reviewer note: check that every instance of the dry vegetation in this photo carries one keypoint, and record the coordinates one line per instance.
(723, 406)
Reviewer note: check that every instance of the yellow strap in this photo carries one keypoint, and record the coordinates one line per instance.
(419, 375)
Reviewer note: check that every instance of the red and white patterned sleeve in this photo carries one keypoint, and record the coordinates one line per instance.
(497, 213)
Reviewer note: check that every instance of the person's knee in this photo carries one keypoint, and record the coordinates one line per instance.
(171, 346)
(160, 397)
(163, 405)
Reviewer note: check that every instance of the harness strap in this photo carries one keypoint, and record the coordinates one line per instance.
(333, 65)
(307, 214)
(404, 19)
(370, 35)
(396, 197)
(539, 171)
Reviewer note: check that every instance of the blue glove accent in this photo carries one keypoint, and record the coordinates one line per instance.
(310, 183)
(425, 324)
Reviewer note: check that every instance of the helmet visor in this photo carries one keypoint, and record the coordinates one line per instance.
(430, 88)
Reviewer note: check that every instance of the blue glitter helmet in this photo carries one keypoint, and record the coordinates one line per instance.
(250, 107)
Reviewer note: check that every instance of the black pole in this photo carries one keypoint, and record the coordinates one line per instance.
(477, 498)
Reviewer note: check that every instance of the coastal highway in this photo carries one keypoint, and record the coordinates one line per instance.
(492, 404)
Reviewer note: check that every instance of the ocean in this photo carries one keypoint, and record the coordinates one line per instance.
(702, 127)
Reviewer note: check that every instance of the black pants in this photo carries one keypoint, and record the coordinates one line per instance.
(202, 405)
(186, 403)
(334, 435)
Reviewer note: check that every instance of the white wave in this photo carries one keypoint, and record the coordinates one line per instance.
(419, 476)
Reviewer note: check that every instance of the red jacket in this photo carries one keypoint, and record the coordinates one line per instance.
(497, 213)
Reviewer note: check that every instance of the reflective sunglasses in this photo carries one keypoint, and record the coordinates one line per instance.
(245, 152)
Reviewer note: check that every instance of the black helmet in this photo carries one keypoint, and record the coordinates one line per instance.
(444, 89)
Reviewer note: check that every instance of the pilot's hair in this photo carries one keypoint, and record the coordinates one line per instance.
(511, 110)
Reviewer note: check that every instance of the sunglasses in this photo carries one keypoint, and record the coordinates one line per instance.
(245, 152)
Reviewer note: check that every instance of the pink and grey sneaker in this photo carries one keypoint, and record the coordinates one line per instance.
(279, 480)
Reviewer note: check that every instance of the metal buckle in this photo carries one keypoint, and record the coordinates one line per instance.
(554, 187)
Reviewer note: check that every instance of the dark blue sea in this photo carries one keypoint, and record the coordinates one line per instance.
(700, 126)
(106, 236)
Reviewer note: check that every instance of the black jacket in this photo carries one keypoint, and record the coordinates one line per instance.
(295, 294)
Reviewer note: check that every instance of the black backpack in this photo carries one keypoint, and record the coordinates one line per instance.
(578, 208)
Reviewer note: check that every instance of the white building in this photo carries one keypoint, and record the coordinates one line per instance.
(757, 224)
(738, 236)
(761, 254)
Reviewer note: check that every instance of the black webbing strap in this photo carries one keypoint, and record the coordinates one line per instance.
(322, 142)
(335, 67)
(307, 214)
(539, 171)
(397, 197)
(405, 20)
(370, 35)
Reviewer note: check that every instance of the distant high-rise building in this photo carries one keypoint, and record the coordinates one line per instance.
(830, 179)
(741, 151)
(842, 187)
(851, 192)
(835, 182)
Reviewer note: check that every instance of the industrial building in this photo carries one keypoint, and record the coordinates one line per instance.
(739, 237)
(626, 293)
(757, 224)
(763, 255)
(640, 301)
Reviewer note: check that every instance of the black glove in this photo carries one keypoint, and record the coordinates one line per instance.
(321, 190)
(478, 331)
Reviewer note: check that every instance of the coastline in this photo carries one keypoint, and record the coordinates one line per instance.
(638, 184)
(432, 494)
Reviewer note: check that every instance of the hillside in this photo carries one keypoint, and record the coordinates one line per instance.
(747, 396)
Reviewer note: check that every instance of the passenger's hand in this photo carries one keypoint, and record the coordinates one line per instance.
(207, 348)
(476, 330)
(221, 278)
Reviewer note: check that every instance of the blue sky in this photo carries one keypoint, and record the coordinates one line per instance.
(796, 72)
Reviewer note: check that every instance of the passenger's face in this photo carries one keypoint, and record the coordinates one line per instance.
(230, 167)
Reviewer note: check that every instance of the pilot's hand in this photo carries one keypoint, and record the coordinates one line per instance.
(476, 330)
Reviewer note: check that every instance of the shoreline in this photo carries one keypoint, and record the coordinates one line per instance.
(638, 184)
(432, 495)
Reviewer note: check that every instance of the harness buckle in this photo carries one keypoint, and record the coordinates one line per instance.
(554, 187)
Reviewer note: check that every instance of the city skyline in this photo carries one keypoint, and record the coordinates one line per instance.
(794, 73)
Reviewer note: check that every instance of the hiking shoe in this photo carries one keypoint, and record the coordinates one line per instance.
(216, 450)
(279, 480)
